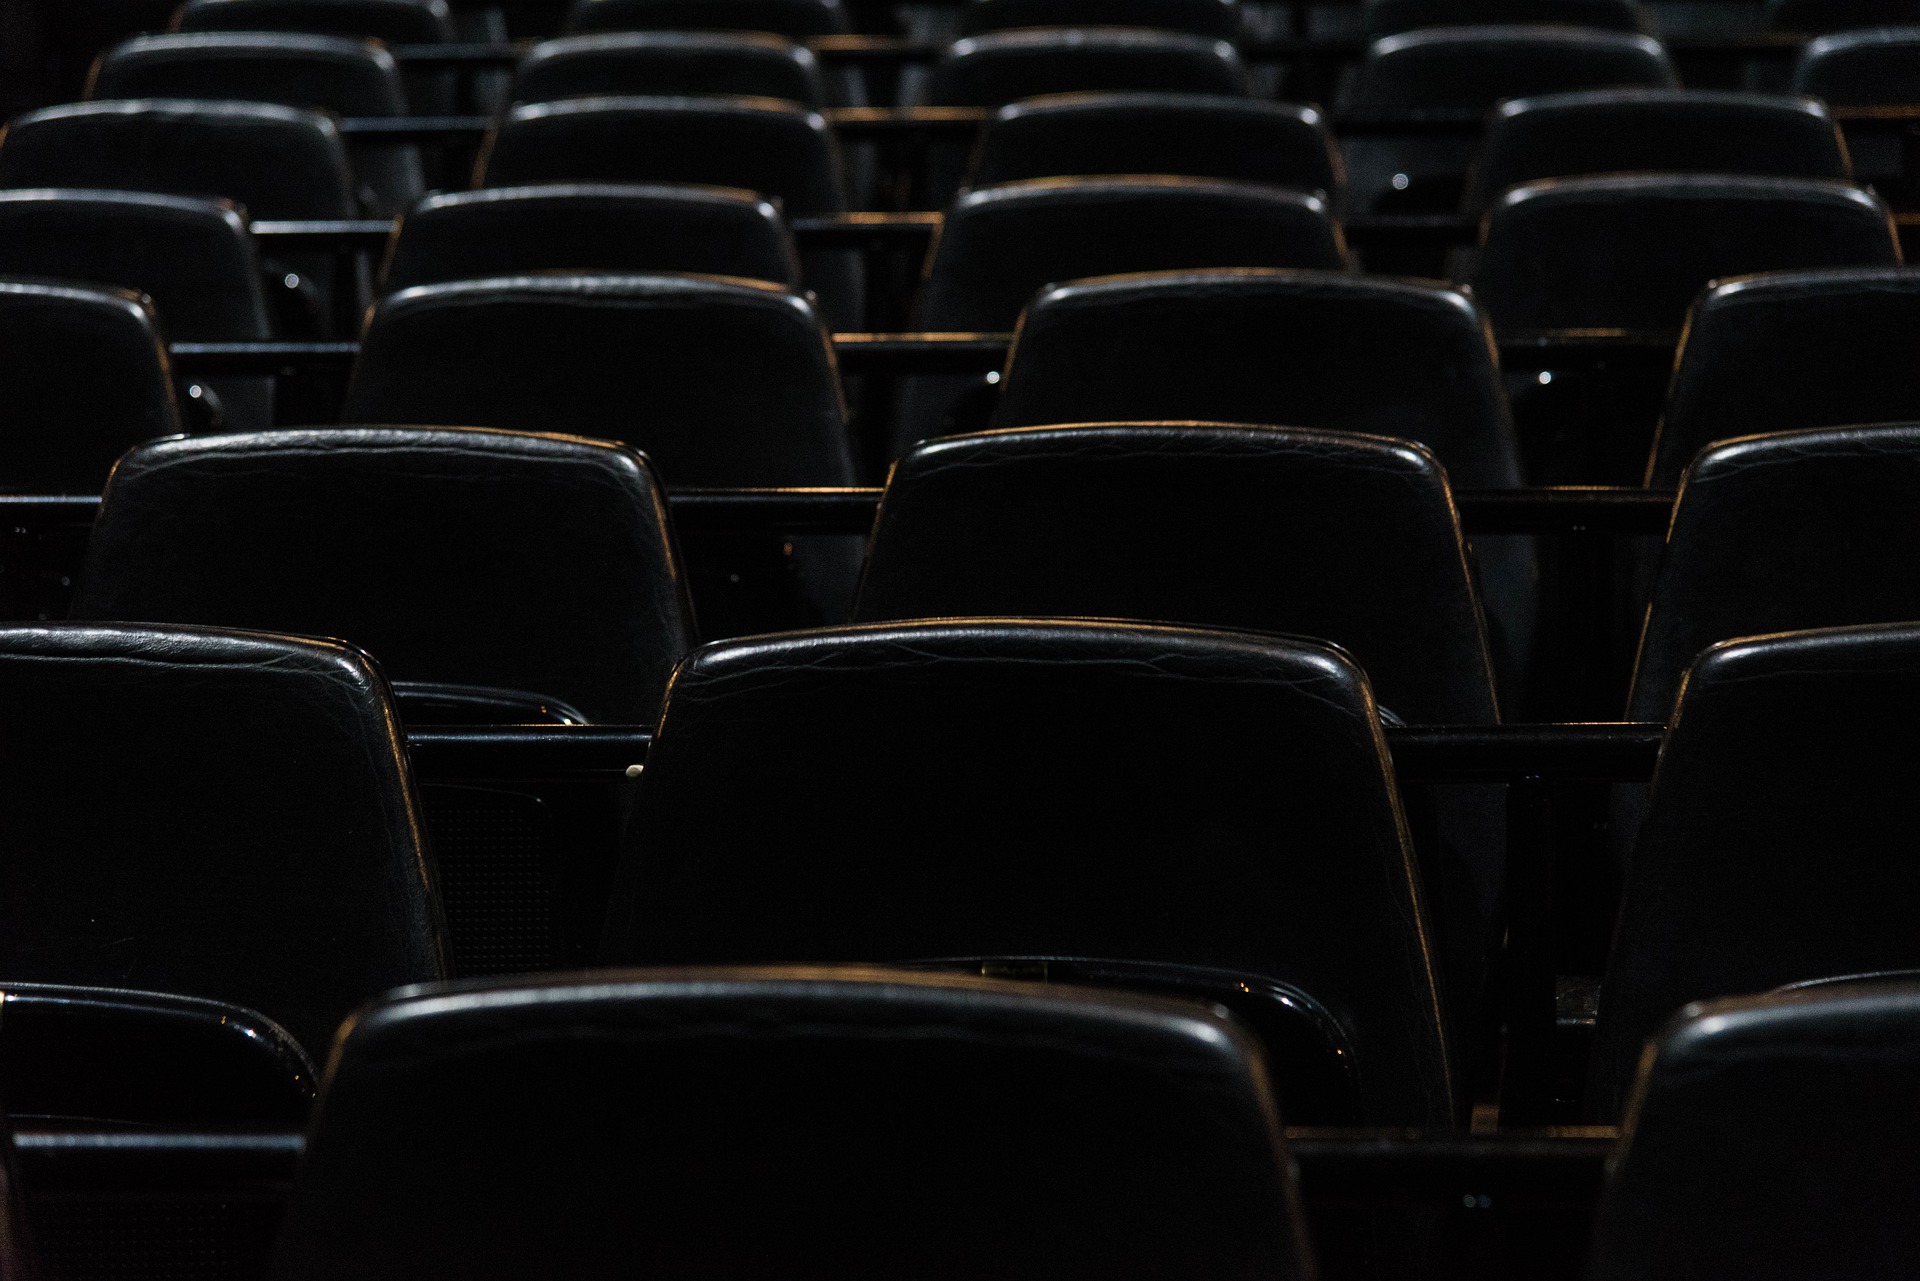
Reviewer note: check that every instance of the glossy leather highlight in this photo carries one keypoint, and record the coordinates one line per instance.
(794, 19)
(669, 64)
(1473, 67)
(1005, 66)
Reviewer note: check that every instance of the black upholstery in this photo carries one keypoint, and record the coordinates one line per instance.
(193, 258)
(1817, 16)
(1473, 67)
(794, 19)
(1002, 244)
(1391, 17)
(655, 361)
(1778, 533)
(1010, 750)
(499, 231)
(1664, 130)
(861, 1114)
(538, 564)
(1865, 68)
(1199, 136)
(394, 21)
(86, 378)
(329, 73)
(1323, 350)
(1771, 1137)
(1632, 251)
(1004, 66)
(1791, 350)
(670, 64)
(94, 1056)
(216, 814)
(1217, 18)
(1775, 847)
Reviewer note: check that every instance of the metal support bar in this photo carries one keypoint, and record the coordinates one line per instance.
(912, 232)
(261, 359)
(911, 353)
(428, 129)
(364, 234)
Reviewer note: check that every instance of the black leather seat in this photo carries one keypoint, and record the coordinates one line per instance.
(1005, 66)
(1001, 245)
(670, 64)
(1872, 67)
(1219, 19)
(86, 378)
(1771, 1137)
(1661, 130)
(778, 149)
(393, 21)
(794, 19)
(1632, 251)
(1009, 750)
(193, 258)
(329, 73)
(1821, 16)
(540, 568)
(1391, 17)
(274, 161)
(869, 1118)
(1470, 69)
(1775, 847)
(216, 814)
(106, 1056)
(1787, 351)
(1778, 533)
(1199, 136)
(498, 231)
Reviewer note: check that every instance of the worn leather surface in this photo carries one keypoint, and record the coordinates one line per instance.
(1772, 1138)
(107, 1056)
(625, 227)
(1219, 19)
(1791, 350)
(329, 73)
(1775, 847)
(1476, 66)
(394, 21)
(86, 378)
(655, 361)
(794, 19)
(261, 843)
(670, 64)
(794, 1122)
(193, 258)
(535, 563)
(1872, 67)
(1632, 251)
(1391, 17)
(1778, 533)
(1316, 349)
(1197, 135)
(1655, 130)
(1000, 67)
(1818, 16)
(1043, 823)
(277, 162)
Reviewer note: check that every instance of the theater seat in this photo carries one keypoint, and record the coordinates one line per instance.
(1647, 130)
(328, 73)
(216, 814)
(1195, 135)
(86, 378)
(193, 258)
(107, 1057)
(538, 568)
(1871, 67)
(626, 227)
(1632, 251)
(1217, 18)
(1391, 17)
(670, 64)
(811, 1123)
(1005, 66)
(1775, 843)
(1820, 16)
(396, 22)
(975, 788)
(794, 19)
(1791, 350)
